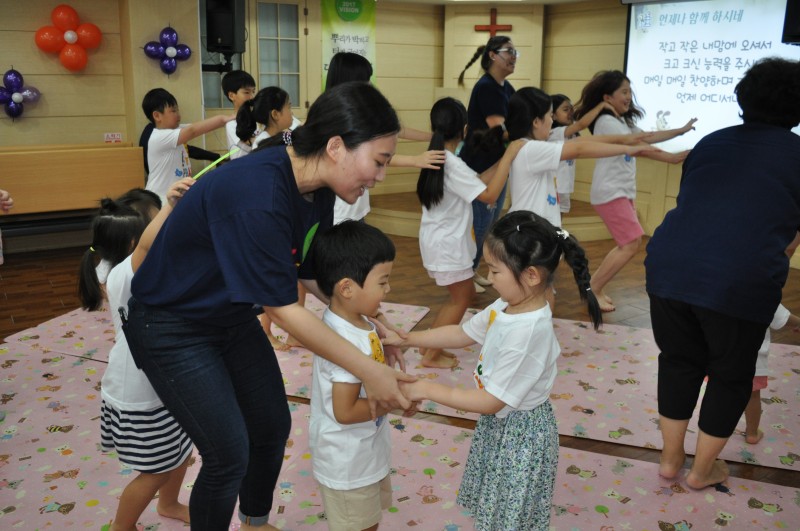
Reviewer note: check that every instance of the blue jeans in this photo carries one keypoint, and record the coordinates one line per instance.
(483, 217)
(224, 387)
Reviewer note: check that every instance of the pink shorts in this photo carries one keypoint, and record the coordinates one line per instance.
(759, 383)
(620, 218)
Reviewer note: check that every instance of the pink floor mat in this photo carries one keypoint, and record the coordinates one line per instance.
(77, 333)
(54, 476)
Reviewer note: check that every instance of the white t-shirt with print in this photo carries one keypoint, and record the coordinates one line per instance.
(123, 385)
(614, 177)
(168, 161)
(565, 176)
(517, 363)
(346, 456)
(446, 242)
(532, 180)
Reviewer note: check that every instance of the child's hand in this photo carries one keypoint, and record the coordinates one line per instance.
(679, 157)
(393, 339)
(431, 160)
(608, 107)
(178, 189)
(411, 411)
(514, 147)
(688, 127)
(6, 201)
(414, 391)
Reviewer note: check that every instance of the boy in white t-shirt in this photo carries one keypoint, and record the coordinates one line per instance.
(167, 155)
(239, 87)
(350, 452)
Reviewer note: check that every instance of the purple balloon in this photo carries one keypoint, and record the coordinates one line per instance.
(5, 95)
(182, 52)
(153, 50)
(168, 37)
(30, 94)
(13, 109)
(168, 65)
(13, 81)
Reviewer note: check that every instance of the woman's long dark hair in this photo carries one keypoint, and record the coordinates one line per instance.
(347, 66)
(493, 44)
(355, 111)
(448, 118)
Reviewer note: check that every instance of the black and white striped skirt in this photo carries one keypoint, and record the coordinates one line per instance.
(147, 441)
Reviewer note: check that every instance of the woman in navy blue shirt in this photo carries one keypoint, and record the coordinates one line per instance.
(238, 242)
(716, 266)
(486, 116)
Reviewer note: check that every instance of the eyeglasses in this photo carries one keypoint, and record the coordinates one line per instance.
(512, 51)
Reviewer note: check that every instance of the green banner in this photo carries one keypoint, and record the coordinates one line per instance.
(347, 26)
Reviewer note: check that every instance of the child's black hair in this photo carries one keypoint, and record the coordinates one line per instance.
(349, 249)
(141, 200)
(523, 239)
(235, 80)
(259, 111)
(116, 230)
(157, 99)
(557, 100)
(524, 106)
(448, 118)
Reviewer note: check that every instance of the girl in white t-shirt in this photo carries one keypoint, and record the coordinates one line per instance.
(446, 242)
(266, 115)
(614, 181)
(566, 128)
(510, 472)
(133, 423)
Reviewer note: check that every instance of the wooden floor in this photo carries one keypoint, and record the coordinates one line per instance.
(35, 287)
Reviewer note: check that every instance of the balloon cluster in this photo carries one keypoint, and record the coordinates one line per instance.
(13, 93)
(167, 50)
(68, 37)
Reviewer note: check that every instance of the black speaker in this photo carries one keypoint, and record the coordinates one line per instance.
(791, 24)
(225, 26)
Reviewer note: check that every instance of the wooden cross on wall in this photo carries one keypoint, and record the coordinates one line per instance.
(493, 27)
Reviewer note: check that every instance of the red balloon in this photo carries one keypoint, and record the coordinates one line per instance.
(49, 39)
(64, 17)
(89, 35)
(73, 57)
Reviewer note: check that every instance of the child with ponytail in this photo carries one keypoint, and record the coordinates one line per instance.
(446, 242)
(133, 422)
(510, 472)
(266, 115)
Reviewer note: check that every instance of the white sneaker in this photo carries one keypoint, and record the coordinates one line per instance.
(481, 280)
(479, 288)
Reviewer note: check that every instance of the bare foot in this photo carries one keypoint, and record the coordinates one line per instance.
(605, 306)
(670, 465)
(277, 344)
(719, 474)
(176, 510)
(750, 438)
(439, 361)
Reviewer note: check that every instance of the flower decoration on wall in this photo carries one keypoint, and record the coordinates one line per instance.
(13, 93)
(167, 50)
(68, 38)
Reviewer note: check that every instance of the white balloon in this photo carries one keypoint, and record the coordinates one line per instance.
(70, 36)
(16, 97)
(171, 51)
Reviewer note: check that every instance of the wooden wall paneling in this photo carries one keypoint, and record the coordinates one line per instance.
(78, 130)
(566, 64)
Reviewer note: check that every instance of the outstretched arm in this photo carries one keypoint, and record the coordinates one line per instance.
(407, 133)
(665, 156)
(450, 336)
(661, 136)
(200, 128)
(475, 400)
(595, 150)
(431, 160)
(587, 119)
